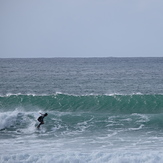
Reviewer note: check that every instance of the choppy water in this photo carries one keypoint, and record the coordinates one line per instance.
(99, 110)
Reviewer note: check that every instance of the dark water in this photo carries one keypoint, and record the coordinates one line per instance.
(99, 110)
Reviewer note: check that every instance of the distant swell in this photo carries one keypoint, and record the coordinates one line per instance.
(124, 104)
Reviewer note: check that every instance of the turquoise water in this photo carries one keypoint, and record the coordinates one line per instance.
(99, 110)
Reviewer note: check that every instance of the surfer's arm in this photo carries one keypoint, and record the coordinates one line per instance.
(42, 115)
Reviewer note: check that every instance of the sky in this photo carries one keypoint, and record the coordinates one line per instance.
(81, 28)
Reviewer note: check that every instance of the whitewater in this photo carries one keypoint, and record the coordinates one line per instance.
(99, 110)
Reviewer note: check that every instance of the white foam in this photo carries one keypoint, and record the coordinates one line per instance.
(83, 157)
(17, 119)
(8, 119)
(137, 128)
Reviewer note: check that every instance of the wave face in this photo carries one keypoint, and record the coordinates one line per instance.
(120, 104)
(89, 113)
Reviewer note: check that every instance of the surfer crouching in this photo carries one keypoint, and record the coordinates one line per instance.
(41, 119)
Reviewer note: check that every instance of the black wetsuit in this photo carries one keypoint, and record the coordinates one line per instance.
(41, 120)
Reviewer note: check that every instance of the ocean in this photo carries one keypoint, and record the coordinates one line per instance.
(100, 110)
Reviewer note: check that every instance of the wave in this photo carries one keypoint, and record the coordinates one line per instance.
(91, 157)
(69, 114)
(120, 104)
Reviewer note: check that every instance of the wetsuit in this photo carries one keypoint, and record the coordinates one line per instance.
(41, 119)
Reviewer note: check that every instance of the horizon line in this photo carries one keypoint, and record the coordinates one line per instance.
(74, 57)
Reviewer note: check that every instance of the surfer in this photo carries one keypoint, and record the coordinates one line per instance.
(41, 119)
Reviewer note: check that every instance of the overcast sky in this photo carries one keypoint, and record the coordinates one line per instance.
(81, 28)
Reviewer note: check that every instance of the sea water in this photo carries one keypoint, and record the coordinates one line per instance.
(99, 110)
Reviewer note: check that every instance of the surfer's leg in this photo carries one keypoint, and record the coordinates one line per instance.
(39, 126)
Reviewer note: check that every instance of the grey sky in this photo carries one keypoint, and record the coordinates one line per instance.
(81, 28)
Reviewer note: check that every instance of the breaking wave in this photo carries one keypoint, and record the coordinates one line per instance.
(69, 114)
(124, 104)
